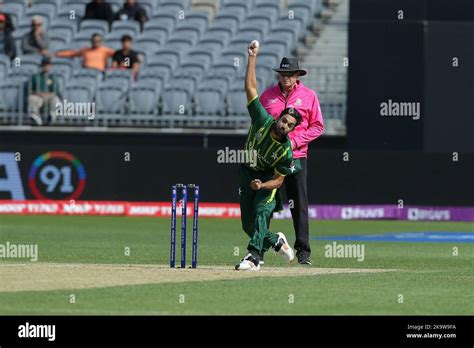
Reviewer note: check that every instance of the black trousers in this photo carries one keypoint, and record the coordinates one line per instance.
(297, 195)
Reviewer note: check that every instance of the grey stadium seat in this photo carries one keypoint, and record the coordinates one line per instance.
(259, 20)
(270, 11)
(56, 3)
(155, 75)
(144, 98)
(65, 25)
(221, 30)
(238, 83)
(11, 95)
(45, 14)
(90, 77)
(241, 43)
(119, 77)
(146, 46)
(223, 34)
(269, 59)
(61, 33)
(22, 72)
(234, 56)
(192, 68)
(147, 37)
(292, 25)
(188, 31)
(215, 81)
(209, 100)
(184, 81)
(224, 69)
(315, 6)
(111, 98)
(117, 36)
(277, 47)
(284, 35)
(182, 43)
(198, 18)
(63, 71)
(4, 66)
(197, 27)
(202, 55)
(126, 27)
(158, 32)
(29, 61)
(50, 8)
(231, 19)
(262, 27)
(238, 13)
(212, 44)
(58, 41)
(170, 7)
(240, 8)
(185, 4)
(177, 100)
(304, 14)
(77, 9)
(166, 21)
(157, 61)
(248, 4)
(78, 93)
(248, 35)
(94, 25)
(236, 100)
(167, 53)
(274, 43)
(260, 3)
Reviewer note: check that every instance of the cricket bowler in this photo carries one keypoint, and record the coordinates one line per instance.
(260, 181)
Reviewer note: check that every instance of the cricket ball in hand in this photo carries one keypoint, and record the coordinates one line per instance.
(255, 43)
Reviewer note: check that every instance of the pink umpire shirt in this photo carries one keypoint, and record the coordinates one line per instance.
(306, 102)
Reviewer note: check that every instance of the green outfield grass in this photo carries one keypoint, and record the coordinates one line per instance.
(431, 279)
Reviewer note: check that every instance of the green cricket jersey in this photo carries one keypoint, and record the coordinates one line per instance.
(272, 155)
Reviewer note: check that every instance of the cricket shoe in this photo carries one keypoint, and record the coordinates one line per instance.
(303, 259)
(248, 263)
(283, 248)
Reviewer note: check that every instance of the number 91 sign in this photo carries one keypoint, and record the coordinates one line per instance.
(57, 175)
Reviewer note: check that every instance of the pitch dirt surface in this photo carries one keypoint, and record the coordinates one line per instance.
(61, 276)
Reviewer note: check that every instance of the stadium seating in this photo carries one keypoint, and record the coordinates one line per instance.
(194, 60)
(144, 98)
(110, 97)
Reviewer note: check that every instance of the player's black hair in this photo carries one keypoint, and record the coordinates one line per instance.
(294, 113)
(96, 35)
(126, 37)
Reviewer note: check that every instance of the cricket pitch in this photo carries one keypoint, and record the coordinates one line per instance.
(61, 276)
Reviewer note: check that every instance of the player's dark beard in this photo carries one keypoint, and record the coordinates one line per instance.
(278, 132)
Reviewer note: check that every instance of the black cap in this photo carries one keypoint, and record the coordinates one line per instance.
(290, 65)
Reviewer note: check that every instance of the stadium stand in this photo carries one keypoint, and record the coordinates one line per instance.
(194, 54)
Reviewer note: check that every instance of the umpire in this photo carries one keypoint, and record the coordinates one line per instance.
(290, 92)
